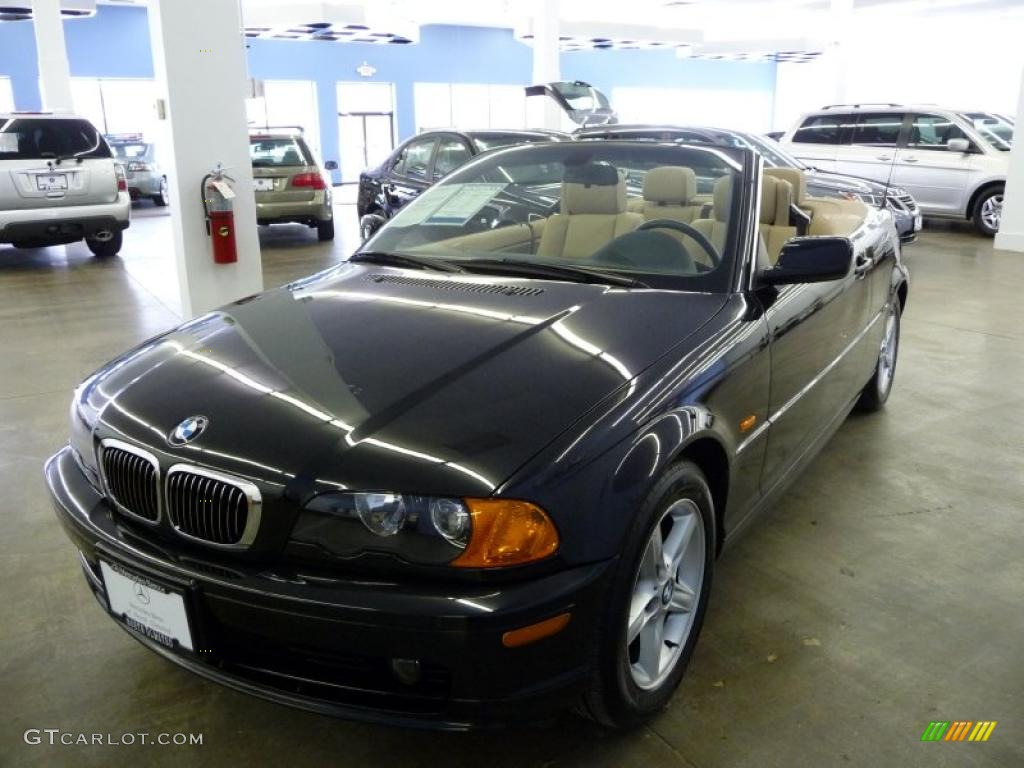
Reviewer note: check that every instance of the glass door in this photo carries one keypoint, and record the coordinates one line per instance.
(366, 126)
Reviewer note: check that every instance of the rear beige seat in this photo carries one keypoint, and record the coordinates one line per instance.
(776, 200)
(829, 216)
(669, 193)
(593, 214)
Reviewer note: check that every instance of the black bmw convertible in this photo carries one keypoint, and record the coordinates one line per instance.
(482, 471)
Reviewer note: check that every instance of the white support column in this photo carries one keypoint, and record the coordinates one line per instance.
(199, 60)
(842, 13)
(54, 71)
(1011, 227)
(544, 113)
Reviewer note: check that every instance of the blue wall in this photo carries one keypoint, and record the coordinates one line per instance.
(115, 43)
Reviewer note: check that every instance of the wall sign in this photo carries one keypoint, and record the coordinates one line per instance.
(366, 70)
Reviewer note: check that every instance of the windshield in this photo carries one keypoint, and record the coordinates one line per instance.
(269, 152)
(994, 129)
(48, 138)
(578, 206)
(774, 156)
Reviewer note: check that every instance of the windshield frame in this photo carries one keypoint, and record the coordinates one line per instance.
(735, 253)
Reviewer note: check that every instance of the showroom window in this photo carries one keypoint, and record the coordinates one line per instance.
(288, 103)
(877, 130)
(116, 105)
(820, 129)
(933, 132)
(749, 110)
(468, 105)
(6, 95)
(366, 126)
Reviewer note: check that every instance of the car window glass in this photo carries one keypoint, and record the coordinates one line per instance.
(820, 129)
(269, 152)
(451, 153)
(415, 158)
(45, 138)
(877, 130)
(933, 132)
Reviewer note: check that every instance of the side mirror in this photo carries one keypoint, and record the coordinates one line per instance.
(811, 260)
(958, 145)
(331, 165)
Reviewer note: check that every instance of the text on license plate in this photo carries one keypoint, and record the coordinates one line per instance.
(147, 607)
(46, 183)
(263, 185)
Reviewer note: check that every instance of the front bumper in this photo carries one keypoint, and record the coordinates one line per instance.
(327, 644)
(66, 224)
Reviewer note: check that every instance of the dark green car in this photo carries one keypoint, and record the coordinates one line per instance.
(290, 185)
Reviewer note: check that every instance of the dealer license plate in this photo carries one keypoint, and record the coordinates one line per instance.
(263, 185)
(50, 182)
(148, 608)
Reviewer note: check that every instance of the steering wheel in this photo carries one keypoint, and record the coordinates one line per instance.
(691, 232)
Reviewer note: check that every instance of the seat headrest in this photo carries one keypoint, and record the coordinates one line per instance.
(722, 198)
(776, 200)
(670, 184)
(796, 180)
(594, 188)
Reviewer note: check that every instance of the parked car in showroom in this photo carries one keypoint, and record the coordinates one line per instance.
(420, 161)
(145, 176)
(953, 167)
(900, 203)
(290, 185)
(59, 184)
(482, 470)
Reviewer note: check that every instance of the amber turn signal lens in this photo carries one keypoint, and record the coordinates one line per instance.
(534, 632)
(506, 532)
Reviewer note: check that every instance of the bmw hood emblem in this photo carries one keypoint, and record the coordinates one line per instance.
(188, 430)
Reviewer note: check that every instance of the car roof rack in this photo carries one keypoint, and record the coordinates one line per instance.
(864, 104)
(270, 128)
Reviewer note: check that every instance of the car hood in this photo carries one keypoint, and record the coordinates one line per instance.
(378, 378)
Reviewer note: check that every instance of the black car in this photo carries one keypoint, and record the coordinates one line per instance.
(482, 470)
(421, 161)
(901, 204)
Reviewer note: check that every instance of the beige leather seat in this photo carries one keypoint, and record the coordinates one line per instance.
(776, 200)
(829, 216)
(593, 213)
(715, 229)
(669, 193)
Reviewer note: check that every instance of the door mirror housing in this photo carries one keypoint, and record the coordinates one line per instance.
(331, 165)
(811, 260)
(958, 145)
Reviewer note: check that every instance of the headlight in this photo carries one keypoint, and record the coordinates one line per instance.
(428, 530)
(82, 421)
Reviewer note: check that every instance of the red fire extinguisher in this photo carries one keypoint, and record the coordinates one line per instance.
(218, 203)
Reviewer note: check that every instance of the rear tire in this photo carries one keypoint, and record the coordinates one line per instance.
(988, 211)
(105, 246)
(161, 199)
(325, 230)
(876, 391)
(631, 685)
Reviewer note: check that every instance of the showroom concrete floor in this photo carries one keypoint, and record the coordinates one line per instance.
(884, 591)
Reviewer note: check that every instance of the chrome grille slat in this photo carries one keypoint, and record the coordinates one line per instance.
(213, 508)
(131, 477)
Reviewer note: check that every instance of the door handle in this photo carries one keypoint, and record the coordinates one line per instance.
(884, 158)
(907, 159)
(863, 264)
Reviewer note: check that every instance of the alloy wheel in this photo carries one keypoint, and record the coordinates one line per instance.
(887, 353)
(665, 594)
(992, 211)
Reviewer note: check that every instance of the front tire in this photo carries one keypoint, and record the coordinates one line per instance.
(106, 244)
(325, 230)
(988, 211)
(657, 602)
(876, 391)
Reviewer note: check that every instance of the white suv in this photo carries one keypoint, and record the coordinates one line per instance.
(59, 183)
(953, 162)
